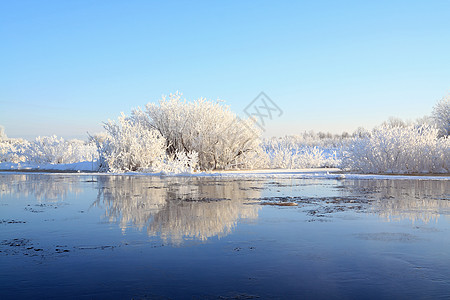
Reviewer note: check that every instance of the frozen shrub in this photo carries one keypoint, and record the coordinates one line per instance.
(395, 122)
(441, 116)
(210, 129)
(308, 149)
(13, 150)
(54, 150)
(47, 149)
(81, 151)
(2, 134)
(313, 139)
(130, 146)
(181, 162)
(411, 149)
(285, 156)
(361, 132)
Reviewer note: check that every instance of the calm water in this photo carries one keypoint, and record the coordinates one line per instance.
(132, 237)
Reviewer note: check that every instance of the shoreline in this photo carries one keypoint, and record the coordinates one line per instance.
(312, 173)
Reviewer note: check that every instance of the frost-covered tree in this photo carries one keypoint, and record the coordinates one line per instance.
(395, 122)
(207, 128)
(54, 150)
(411, 149)
(441, 116)
(130, 146)
(45, 150)
(360, 132)
(291, 153)
(2, 133)
(13, 150)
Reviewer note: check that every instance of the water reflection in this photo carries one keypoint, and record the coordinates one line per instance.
(43, 187)
(394, 200)
(200, 208)
(178, 208)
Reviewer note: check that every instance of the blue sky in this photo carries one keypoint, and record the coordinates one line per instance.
(329, 65)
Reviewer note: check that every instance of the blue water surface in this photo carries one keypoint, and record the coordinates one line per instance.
(138, 237)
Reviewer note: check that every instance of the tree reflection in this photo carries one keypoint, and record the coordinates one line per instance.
(178, 208)
(415, 200)
(43, 187)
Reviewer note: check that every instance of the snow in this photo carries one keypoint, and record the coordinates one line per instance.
(84, 166)
(311, 173)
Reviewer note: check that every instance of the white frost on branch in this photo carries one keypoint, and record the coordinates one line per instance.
(441, 116)
(411, 149)
(129, 146)
(210, 129)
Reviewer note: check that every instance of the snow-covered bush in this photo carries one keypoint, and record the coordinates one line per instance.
(2, 133)
(390, 149)
(210, 129)
(46, 150)
(287, 156)
(178, 136)
(308, 149)
(441, 116)
(54, 150)
(181, 162)
(130, 146)
(13, 150)
(313, 139)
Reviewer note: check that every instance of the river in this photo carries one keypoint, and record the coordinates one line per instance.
(143, 237)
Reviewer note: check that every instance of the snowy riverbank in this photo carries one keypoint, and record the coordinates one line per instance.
(311, 173)
(84, 166)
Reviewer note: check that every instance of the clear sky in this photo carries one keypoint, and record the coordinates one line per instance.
(66, 66)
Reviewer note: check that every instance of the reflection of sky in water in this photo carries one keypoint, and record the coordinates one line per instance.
(199, 208)
(177, 208)
(41, 187)
(170, 208)
(112, 237)
(414, 200)
(300, 187)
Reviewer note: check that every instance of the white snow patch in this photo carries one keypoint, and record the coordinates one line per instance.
(84, 166)
(312, 173)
